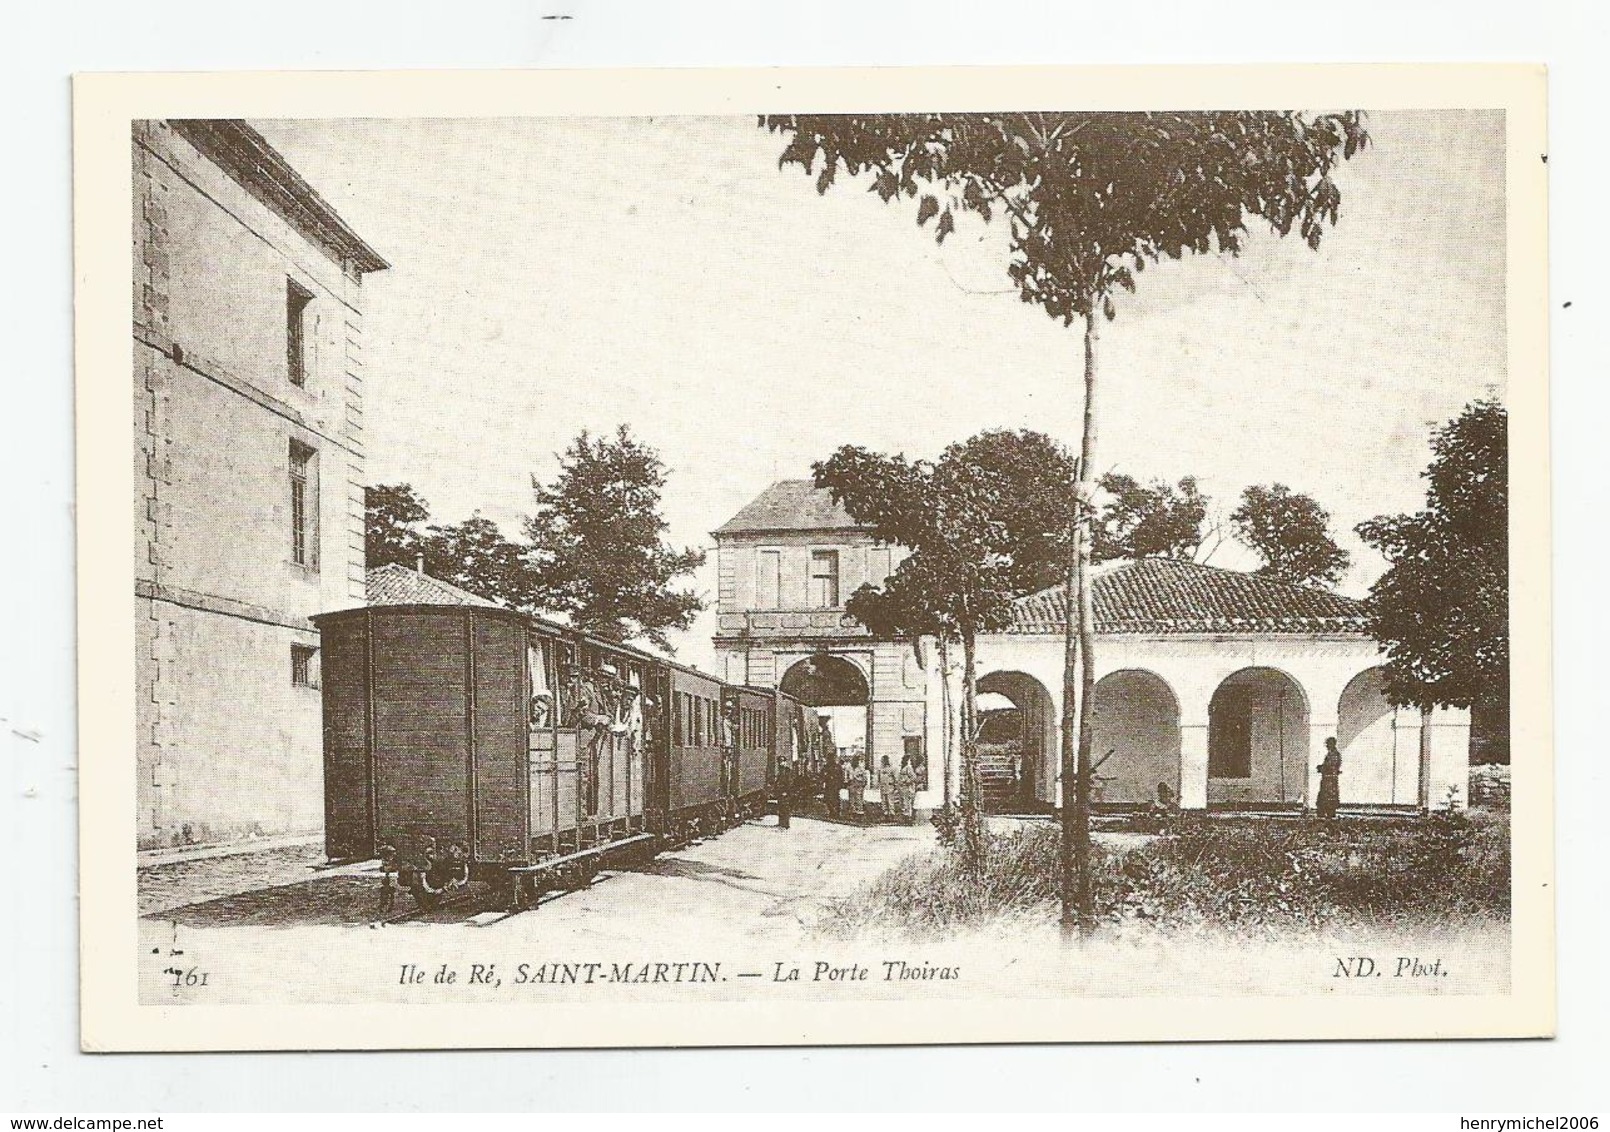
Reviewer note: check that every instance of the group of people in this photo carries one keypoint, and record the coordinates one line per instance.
(897, 788)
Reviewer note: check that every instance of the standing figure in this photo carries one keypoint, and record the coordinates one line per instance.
(906, 783)
(858, 784)
(1330, 781)
(785, 794)
(888, 789)
(833, 778)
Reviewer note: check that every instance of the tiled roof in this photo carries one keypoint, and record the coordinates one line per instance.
(790, 505)
(1160, 595)
(394, 584)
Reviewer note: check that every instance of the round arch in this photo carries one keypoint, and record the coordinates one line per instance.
(825, 680)
(837, 688)
(1017, 759)
(1258, 742)
(1376, 768)
(1135, 724)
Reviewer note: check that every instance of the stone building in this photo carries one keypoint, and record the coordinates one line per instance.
(786, 564)
(248, 473)
(1216, 688)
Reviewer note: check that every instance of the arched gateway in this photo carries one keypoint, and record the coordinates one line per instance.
(838, 690)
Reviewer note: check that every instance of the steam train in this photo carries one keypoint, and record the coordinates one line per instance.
(471, 743)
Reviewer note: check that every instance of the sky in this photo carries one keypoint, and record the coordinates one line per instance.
(558, 274)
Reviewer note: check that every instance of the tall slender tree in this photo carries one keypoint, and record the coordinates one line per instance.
(1090, 199)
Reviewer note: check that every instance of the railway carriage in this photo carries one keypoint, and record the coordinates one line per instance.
(479, 743)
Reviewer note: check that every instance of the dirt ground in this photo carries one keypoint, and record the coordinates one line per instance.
(727, 919)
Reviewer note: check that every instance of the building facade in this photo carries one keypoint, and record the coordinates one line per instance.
(786, 565)
(1215, 688)
(248, 477)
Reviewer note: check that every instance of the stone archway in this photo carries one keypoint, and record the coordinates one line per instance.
(1135, 720)
(1023, 778)
(1380, 765)
(1258, 742)
(838, 689)
(825, 680)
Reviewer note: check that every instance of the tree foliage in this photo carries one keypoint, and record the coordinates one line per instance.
(1441, 611)
(476, 556)
(392, 518)
(983, 524)
(1290, 531)
(1151, 520)
(1092, 196)
(986, 523)
(598, 544)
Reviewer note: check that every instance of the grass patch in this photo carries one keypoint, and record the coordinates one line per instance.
(1194, 871)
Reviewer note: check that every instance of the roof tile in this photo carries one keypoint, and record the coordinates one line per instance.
(790, 505)
(1161, 595)
(395, 584)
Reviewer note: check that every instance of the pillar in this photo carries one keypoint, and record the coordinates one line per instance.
(1409, 777)
(1193, 765)
(1445, 758)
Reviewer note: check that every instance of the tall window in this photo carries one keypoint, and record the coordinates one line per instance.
(824, 579)
(304, 473)
(297, 299)
(1230, 734)
(769, 579)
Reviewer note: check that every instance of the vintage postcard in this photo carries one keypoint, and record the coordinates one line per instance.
(801, 557)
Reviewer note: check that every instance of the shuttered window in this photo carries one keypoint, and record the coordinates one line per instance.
(824, 579)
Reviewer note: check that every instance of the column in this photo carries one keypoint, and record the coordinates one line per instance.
(1408, 771)
(1445, 755)
(1193, 765)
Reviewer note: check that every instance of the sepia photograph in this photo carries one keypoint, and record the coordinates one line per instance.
(725, 576)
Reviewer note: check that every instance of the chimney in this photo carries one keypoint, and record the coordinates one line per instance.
(419, 565)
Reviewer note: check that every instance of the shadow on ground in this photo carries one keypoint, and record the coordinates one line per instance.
(689, 869)
(326, 900)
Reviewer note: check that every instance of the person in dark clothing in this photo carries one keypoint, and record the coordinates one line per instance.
(833, 778)
(1330, 781)
(785, 794)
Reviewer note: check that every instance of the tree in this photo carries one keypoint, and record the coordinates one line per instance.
(1290, 531)
(476, 556)
(1155, 520)
(597, 542)
(1090, 198)
(1441, 611)
(981, 523)
(392, 514)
